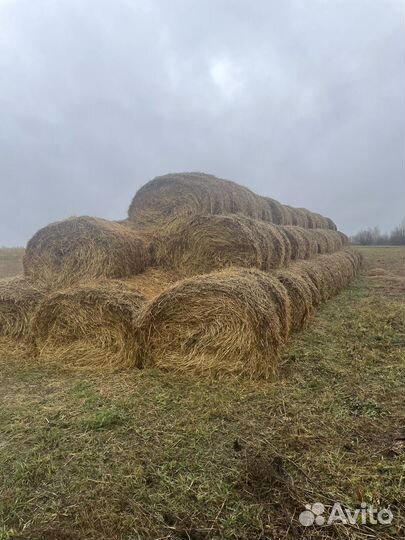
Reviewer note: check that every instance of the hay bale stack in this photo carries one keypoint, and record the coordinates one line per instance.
(300, 295)
(90, 325)
(201, 244)
(221, 323)
(83, 248)
(18, 301)
(204, 243)
(185, 194)
(326, 241)
(326, 275)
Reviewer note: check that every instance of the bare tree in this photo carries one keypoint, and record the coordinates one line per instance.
(373, 237)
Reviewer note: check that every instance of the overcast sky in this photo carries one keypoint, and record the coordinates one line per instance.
(300, 100)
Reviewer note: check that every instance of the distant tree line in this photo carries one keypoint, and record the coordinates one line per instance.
(373, 237)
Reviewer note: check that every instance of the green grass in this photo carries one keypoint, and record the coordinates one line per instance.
(147, 454)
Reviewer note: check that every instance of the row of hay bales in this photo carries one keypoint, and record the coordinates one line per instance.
(202, 243)
(204, 275)
(234, 321)
(181, 194)
(83, 248)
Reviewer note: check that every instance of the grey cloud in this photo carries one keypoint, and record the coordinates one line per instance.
(302, 101)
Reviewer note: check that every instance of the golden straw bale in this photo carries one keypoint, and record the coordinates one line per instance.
(220, 323)
(327, 241)
(328, 273)
(185, 194)
(301, 216)
(203, 243)
(18, 300)
(310, 218)
(328, 223)
(90, 325)
(277, 293)
(299, 242)
(83, 248)
(179, 194)
(300, 295)
(344, 239)
(279, 213)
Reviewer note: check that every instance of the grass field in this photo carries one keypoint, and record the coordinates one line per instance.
(147, 454)
(11, 261)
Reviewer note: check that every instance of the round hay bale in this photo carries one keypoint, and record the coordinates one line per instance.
(344, 239)
(315, 278)
(287, 246)
(215, 324)
(278, 295)
(310, 218)
(300, 296)
(83, 248)
(90, 325)
(301, 218)
(288, 215)
(18, 301)
(182, 194)
(328, 274)
(353, 258)
(328, 223)
(325, 241)
(310, 248)
(279, 213)
(201, 244)
(298, 242)
(190, 193)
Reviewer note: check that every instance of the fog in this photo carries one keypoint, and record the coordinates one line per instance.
(300, 101)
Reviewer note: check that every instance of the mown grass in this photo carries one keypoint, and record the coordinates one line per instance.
(149, 454)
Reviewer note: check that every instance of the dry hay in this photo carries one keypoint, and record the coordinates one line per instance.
(326, 275)
(326, 241)
(149, 236)
(201, 244)
(329, 223)
(299, 240)
(300, 295)
(18, 300)
(172, 195)
(392, 284)
(152, 282)
(220, 323)
(280, 214)
(184, 194)
(90, 325)
(278, 295)
(83, 248)
(343, 237)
